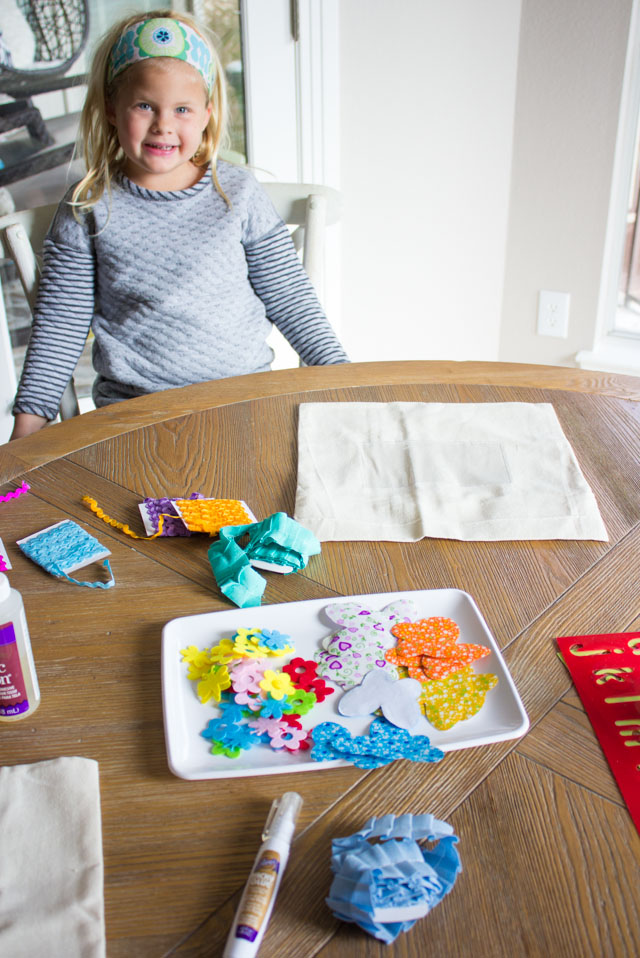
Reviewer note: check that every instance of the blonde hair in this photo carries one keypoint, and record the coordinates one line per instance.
(98, 138)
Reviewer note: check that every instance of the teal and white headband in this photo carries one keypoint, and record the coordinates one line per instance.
(162, 37)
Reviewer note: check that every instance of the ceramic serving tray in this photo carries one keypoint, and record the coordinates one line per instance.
(502, 716)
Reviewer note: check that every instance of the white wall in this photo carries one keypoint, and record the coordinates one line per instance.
(570, 72)
(428, 92)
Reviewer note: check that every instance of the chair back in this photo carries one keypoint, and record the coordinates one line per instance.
(22, 234)
(310, 208)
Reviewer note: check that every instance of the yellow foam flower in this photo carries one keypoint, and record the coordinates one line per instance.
(213, 684)
(278, 684)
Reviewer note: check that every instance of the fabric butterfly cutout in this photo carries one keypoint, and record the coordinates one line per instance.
(384, 744)
(456, 697)
(397, 699)
(429, 648)
(361, 641)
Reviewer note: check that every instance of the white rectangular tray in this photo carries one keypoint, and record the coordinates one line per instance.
(502, 716)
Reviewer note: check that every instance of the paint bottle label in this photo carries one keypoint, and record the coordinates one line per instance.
(13, 694)
(258, 896)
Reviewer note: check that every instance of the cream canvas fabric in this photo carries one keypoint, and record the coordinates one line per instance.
(51, 867)
(471, 471)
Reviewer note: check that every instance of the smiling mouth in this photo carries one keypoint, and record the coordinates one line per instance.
(161, 147)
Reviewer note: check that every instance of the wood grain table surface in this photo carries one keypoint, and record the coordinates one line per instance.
(551, 859)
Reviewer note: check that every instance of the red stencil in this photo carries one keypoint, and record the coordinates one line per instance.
(606, 673)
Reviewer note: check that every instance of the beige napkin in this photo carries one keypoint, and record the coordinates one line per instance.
(51, 871)
(472, 471)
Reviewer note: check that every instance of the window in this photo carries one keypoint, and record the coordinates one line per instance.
(627, 315)
(617, 345)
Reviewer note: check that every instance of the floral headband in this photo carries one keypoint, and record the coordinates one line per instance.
(162, 37)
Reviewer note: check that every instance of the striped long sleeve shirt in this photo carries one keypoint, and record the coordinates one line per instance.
(178, 288)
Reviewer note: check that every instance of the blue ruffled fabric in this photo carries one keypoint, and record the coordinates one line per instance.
(395, 876)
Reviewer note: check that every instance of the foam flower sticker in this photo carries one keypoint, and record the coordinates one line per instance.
(199, 660)
(223, 652)
(243, 635)
(293, 720)
(248, 699)
(288, 737)
(273, 708)
(320, 689)
(447, 701)
(300, 702)
(301, 671)
(276, 641)
(265, 726)
(218, 748)
(212, 685)
(278, 684)
(247, 645)
(231, 734)
(231, 711)
(246, 676)
(430, 650)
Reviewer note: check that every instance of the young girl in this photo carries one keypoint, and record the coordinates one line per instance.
(178, 261)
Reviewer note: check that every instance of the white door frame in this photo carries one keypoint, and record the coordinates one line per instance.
(292, 89)
(291, 75)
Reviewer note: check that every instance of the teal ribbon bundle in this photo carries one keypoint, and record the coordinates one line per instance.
(385, 887)
(278, 543)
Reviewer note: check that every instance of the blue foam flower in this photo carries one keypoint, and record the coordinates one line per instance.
(274, 640)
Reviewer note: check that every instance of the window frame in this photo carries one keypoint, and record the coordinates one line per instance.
(615, 349)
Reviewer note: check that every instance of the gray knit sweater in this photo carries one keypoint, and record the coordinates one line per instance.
(178, 288)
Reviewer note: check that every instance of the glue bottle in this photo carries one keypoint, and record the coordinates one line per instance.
(19, 690)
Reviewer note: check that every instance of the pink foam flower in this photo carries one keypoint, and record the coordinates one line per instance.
(253, 702)
(246, 675)
(288, 737)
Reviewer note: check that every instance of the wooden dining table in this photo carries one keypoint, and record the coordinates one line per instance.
(550, 855)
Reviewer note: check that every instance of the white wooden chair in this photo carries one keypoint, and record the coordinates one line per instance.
(305, 207)
(309, 208)
(22, 234)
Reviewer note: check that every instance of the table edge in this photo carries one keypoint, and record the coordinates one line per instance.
(61, 439)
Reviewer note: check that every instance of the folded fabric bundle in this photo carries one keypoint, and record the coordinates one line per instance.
(277, 543)
(470, 471)
(51, 866)
(385, 887)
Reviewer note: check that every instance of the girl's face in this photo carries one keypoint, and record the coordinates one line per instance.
(160, 110)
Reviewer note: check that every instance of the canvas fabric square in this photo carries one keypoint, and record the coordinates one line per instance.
(51, 866)
(471, 471)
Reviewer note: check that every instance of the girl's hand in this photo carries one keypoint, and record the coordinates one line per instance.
(26, 423)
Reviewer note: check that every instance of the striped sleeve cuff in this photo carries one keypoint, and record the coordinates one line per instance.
(60, 327)
(279, 279)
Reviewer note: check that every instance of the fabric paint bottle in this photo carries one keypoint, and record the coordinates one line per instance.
(19, 690)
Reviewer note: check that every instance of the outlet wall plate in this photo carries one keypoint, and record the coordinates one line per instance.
(553, 314)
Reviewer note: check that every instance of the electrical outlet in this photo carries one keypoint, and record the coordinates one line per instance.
(553, 314)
